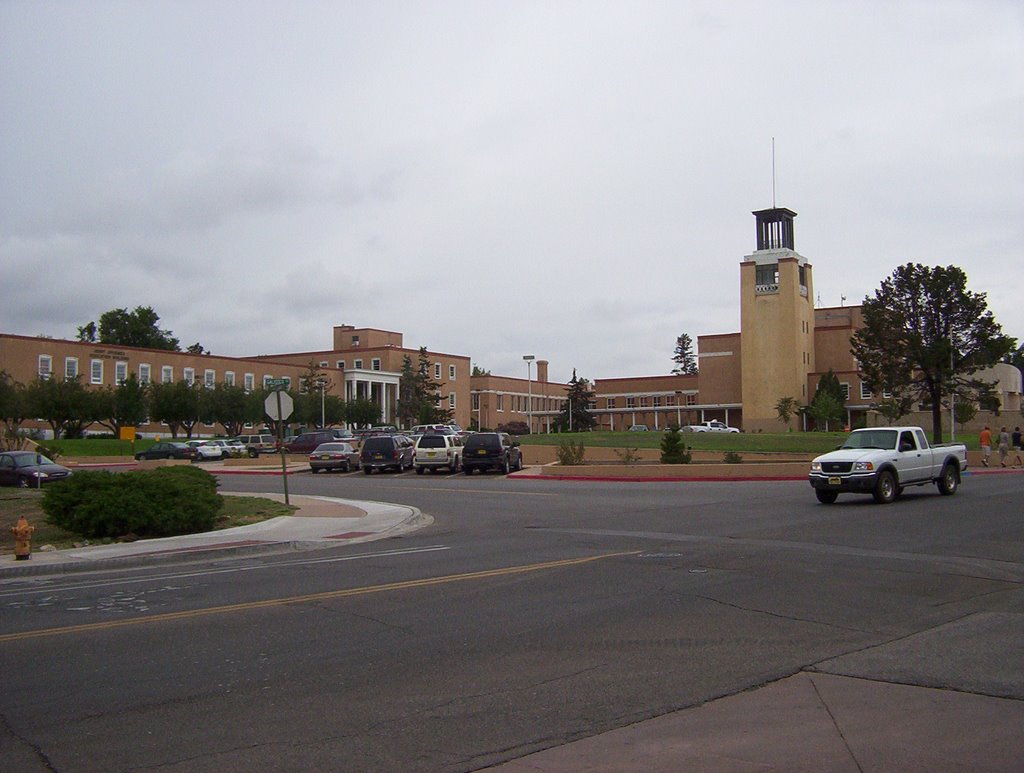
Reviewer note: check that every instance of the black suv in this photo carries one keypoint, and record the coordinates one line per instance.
(491, 450)
(381, 452)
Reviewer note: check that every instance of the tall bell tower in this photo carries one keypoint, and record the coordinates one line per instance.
(776, 321)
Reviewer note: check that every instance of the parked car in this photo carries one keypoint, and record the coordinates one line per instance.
(382, 452)
(639, 428)
(167, 449)
(308, 441)
(334, 456)
(258, 444)
(29, 469)
(491, 450)
(228, 448)
(435, 450)
(344, 435)
(206, 450)
(709, 426)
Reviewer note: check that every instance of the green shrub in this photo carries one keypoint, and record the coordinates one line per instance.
(571, 453)
(628, 455)
(145, 503)
(673, 449)
(731, 457)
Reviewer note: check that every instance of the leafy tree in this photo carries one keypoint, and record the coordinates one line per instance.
(894, 408)
(478, 371)
(122, 406)
(129, 328)
(362, 412)
(176, 405)
(231, 407)
(1016, 357)
(683, 356)
(65, 404)
(197, 348)
(829, 403)
(786, 408)
(964, 412)
(12, 406)
(925, 336)
(575, 415)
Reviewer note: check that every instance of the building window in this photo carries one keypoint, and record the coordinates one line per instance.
(437, 371)
(375, 363)
(70, 367)
(845, 390)
(96, 371)
(45, 366)
(341, 364)
(451, 372)
(631, 402)
(865, 392)
(657, 401)
(120, 372)
(248, 382)
(190, 376)
(645, 401)
(499, 402)
(167, 374)
(767, 278)
(144, 372)
(691, 399)
(355, 340)
(610, 402)
(209, 378)
(474, 401)
(357, 364)
(451, 400)
(323, 363)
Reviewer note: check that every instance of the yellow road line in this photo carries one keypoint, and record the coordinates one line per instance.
(326, 595)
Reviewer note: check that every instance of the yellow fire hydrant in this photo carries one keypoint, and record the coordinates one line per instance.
(22, 539)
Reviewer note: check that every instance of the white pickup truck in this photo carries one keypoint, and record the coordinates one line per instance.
(709, 426)
(882, 461)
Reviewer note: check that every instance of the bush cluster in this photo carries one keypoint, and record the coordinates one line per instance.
(144, 503)
(570, 453)
(673, 449)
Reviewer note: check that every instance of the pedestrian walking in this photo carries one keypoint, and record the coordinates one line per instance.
(1015, 440)
(985, 440)
(1004, 445)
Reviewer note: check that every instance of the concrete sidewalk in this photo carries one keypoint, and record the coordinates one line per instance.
(318, 522)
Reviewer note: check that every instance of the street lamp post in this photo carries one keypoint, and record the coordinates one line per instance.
(322, 383)
(529, 389)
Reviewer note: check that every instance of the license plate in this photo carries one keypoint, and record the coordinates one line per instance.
(325, 457)
(378, 456)
(431, 454)
(481, 452)
(834, 481)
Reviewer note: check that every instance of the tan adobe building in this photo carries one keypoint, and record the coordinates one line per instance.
(500, 400)
(370, 361)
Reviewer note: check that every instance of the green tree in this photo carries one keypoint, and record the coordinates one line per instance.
(129, 328)
(362, 412)
(964, 412)
(673, 449)
(12, 407)
(829, 403)
(175, 404)
(575, 415)
(925, 336)
(786, 408)
(894, 408)
(125, 405)
(231, 407)
(478, 371)
(408, 403)
(65, 404)
(683, 356)
(419, 395)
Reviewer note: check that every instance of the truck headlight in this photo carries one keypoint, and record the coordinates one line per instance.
(863, 466)
(815, 466)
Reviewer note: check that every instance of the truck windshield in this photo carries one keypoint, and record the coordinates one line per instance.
(875, 438)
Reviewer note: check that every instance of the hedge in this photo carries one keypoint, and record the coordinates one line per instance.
(144, 503)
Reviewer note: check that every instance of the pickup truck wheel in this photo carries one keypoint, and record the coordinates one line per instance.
(949, 482)
(826, 497)
(885, 488)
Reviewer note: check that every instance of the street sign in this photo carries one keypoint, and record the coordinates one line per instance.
(277, 383)
(279, 405)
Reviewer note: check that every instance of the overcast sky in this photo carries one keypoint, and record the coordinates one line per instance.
(572, 180)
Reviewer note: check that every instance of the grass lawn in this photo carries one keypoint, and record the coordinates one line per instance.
(14, 502)
(792, 442)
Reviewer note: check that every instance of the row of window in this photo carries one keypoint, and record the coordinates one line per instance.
(521, 403)
(357, 364)
(96, 368)
(656, 401)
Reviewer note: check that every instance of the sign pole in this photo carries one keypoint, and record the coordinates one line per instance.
(280, 446)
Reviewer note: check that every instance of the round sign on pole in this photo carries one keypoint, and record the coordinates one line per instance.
(279, 405)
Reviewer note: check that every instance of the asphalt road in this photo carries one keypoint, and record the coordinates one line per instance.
(530, 614)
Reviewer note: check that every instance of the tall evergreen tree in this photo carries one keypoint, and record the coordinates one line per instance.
(575, 415)
(683, 357)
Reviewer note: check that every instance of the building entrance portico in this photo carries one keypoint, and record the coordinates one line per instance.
(378, 386)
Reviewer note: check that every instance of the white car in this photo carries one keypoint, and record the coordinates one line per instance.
(710, 426)
(206, 450)
(435, 450)
(230, 447)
